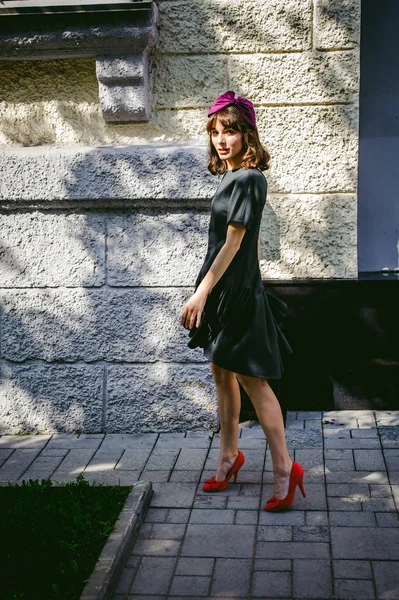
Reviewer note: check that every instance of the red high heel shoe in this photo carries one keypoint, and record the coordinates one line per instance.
(296, 478)
(213, 485)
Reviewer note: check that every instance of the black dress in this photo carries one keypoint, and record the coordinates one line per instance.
(240, 324)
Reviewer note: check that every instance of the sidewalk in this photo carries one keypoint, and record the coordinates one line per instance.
(341, 541)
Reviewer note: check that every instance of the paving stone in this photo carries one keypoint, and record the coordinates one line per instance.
(250, 490)
(191, 585)
(309, 414)
(145, 530)
(340, 465)
(246, 517)
(394, 477)
(371, 460)
(162, 460)
(386, 576)
(380, 491)
(310, 533)
(16, 465)
(249, 477)
(375, 477)
(290, 517)
(312, 474)
(125, 580)
(316, 517)
(153, 576)
(338, 454)
(155, 547)
(344, 504)
(335, 433)
(364, 542)
(348, 490)
(191, 459)
(185, 476)
(308, 438)
(309, 457)
(365, 433)
(355, 443)
(387, 519)
(178, 515)
(46, 452)
(133, 460)
(106, 478)
(177, 443)
(212, 501)
(389, 437)
(313, 424)
(124, 441)
(155, 476)
(156, 515)
(195, 566)
(211, 516)
(292, 550)
(42, 467)
(172, 495)
(352, 589)
(311, 578)
(352, 519)
(274, 533)
(387, 417)
(243, 502)
(231, 577)
(269, 584)
(262, 564)
(246, 443)
(352, 569)
(296, 424)
(167, 531)
(222, 543)
(254, 431)
(379, 504)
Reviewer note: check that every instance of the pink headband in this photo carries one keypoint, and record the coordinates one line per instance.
(243, 105)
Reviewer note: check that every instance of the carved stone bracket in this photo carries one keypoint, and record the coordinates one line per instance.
(119, 35)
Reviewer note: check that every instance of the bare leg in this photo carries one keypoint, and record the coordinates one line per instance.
(271, 419)
(229, 403)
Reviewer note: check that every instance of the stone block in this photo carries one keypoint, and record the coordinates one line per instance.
(178, 515)
(310, 533)
(269, 584)
(354, 588)
(154, 575)
(371, 460)
(192, 585)
(274, 533)
(387, 519)
(41, 249)
(156, 547)
(337, 24)
(214, 26)
(172, 495)
(280, 564)
(50, 398)
(175, 397)
(319, 550)
(386, 575)
(195, 566)
(344, 518)
(231, 574)
(150, 247)
(364, 543)
(190, 459)
(352, 569)
(17, 464)
(312, 579)
(222, 544)
(297, 77)
(211, 516)
(319, 518)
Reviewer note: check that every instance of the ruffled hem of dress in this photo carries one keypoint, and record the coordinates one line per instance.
(230, 303)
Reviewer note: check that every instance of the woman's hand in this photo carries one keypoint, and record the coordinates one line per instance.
(192, 310)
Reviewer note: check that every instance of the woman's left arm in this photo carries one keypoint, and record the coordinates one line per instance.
(193, 308)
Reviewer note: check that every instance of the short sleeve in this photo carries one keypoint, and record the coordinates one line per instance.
(245, 200)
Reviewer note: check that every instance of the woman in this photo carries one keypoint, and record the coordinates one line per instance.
(230, 315)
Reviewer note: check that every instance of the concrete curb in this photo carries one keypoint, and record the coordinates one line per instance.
(106, 572)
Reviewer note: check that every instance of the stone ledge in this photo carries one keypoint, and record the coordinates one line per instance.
(132, 173)
(106, 573)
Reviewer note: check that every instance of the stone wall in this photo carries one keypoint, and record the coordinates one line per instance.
(104, 227)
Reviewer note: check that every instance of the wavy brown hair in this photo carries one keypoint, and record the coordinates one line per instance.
(256, 154)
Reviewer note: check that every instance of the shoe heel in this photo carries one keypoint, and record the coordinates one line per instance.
(300, 483)
(235, 476)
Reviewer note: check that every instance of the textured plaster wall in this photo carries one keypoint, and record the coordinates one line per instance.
(104, 227)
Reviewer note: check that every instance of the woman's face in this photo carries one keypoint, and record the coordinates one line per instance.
(228, 144)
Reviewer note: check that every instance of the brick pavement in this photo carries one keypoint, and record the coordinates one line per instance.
(341, 541)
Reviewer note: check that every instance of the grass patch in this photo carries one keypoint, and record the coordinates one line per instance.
(52, 535)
